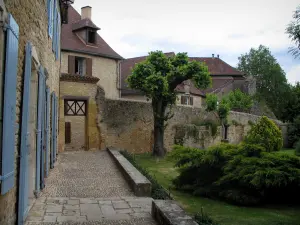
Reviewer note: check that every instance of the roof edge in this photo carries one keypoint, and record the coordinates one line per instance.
(92, 53)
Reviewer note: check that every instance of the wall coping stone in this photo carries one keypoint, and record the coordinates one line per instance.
(78, 78)
(169, 212)
(138, 182)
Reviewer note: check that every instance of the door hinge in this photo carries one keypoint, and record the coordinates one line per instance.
(7, 176)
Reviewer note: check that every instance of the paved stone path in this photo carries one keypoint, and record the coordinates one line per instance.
(86, 174)
(88, 188)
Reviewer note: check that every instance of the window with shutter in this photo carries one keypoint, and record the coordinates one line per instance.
(50, 7)
(58, 28)
(9, 106)
(54, 41)
(191, 101)
(67, 132)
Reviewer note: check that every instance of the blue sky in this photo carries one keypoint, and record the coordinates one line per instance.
(200, 28)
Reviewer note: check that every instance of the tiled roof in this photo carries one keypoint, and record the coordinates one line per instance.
(222, 74)
(71, 42)
(84, 23)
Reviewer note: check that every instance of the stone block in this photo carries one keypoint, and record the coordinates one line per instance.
(107, 210)
(169, 212)
(138, 182)
(54, 208)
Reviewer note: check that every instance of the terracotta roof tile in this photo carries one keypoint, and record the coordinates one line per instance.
(222, 74)
(71, 42)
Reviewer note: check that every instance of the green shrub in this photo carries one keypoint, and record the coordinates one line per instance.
(265, 133)
(157, 192)
(297, 148)
(242, 174)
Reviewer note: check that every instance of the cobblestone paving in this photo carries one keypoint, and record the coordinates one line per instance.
(102, 211)
(85, 174)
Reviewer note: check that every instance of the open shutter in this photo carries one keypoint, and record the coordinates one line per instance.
(89, 66)
(56, 127)
(67, 132)
(39, 128)
(23, 178)
(50, 18)
(52, 131)
(9, 106)
(47, 128)
(182, 100)
(54, 41)
(71, 64)
(58, 28)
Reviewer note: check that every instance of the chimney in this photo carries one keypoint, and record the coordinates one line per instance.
(86, 12)
(218, 56)
(213, 55)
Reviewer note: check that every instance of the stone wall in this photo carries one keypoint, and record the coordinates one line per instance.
(78, 133)
(31, 16)
(105, 69)
(129, 125)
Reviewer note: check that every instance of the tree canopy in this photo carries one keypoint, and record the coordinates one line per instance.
(157, 78)
(271, 83)
(293, 30)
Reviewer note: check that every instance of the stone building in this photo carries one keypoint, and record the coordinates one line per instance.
(225, 78)
(29, 89)
(88, 62)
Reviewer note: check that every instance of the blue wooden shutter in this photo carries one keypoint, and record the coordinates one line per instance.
(9, 106)
(39, 129)
(23, 182)
(47, 129)
(50, 18)
(43, 139)
(58, 28)
(52, 131)
(56, 126)
(54, 41)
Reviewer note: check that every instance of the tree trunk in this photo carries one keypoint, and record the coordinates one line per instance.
(159, 114)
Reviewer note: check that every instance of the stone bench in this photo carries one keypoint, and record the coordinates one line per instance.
(168, 212)
(140, 185)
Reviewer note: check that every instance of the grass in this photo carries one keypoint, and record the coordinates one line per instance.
(289, 151)
(223, 213)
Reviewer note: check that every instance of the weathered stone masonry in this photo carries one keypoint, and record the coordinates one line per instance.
(31, 16)
(129, 125)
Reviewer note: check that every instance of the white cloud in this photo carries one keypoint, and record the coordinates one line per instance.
(293, 74)
(229, 27)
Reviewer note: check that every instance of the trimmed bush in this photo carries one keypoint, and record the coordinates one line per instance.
(265, 133)
(242, 174)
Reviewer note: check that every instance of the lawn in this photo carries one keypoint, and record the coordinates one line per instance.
(223, 213)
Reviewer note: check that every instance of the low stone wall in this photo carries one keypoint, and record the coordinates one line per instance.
(128, 125)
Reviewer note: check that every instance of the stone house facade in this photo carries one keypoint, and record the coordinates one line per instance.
(29, 87)
(88, 62)
(225, 78)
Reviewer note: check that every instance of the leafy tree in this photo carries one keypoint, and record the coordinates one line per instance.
(293, 30)
(271, 83)
(157, 77)
(239, 101)
(291, 105)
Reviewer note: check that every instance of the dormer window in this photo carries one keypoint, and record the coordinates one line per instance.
(91, 36)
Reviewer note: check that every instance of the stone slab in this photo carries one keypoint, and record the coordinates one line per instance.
(138, 182)
(169, 212)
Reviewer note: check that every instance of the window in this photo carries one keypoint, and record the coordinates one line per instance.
(186, 100)
(91, 36)
(80, 66)
(75, 108)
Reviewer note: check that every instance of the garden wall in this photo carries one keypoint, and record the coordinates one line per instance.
(128, 125)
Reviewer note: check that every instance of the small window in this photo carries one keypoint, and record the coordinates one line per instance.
(91, 36)
(80, 66)
(186, 100)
